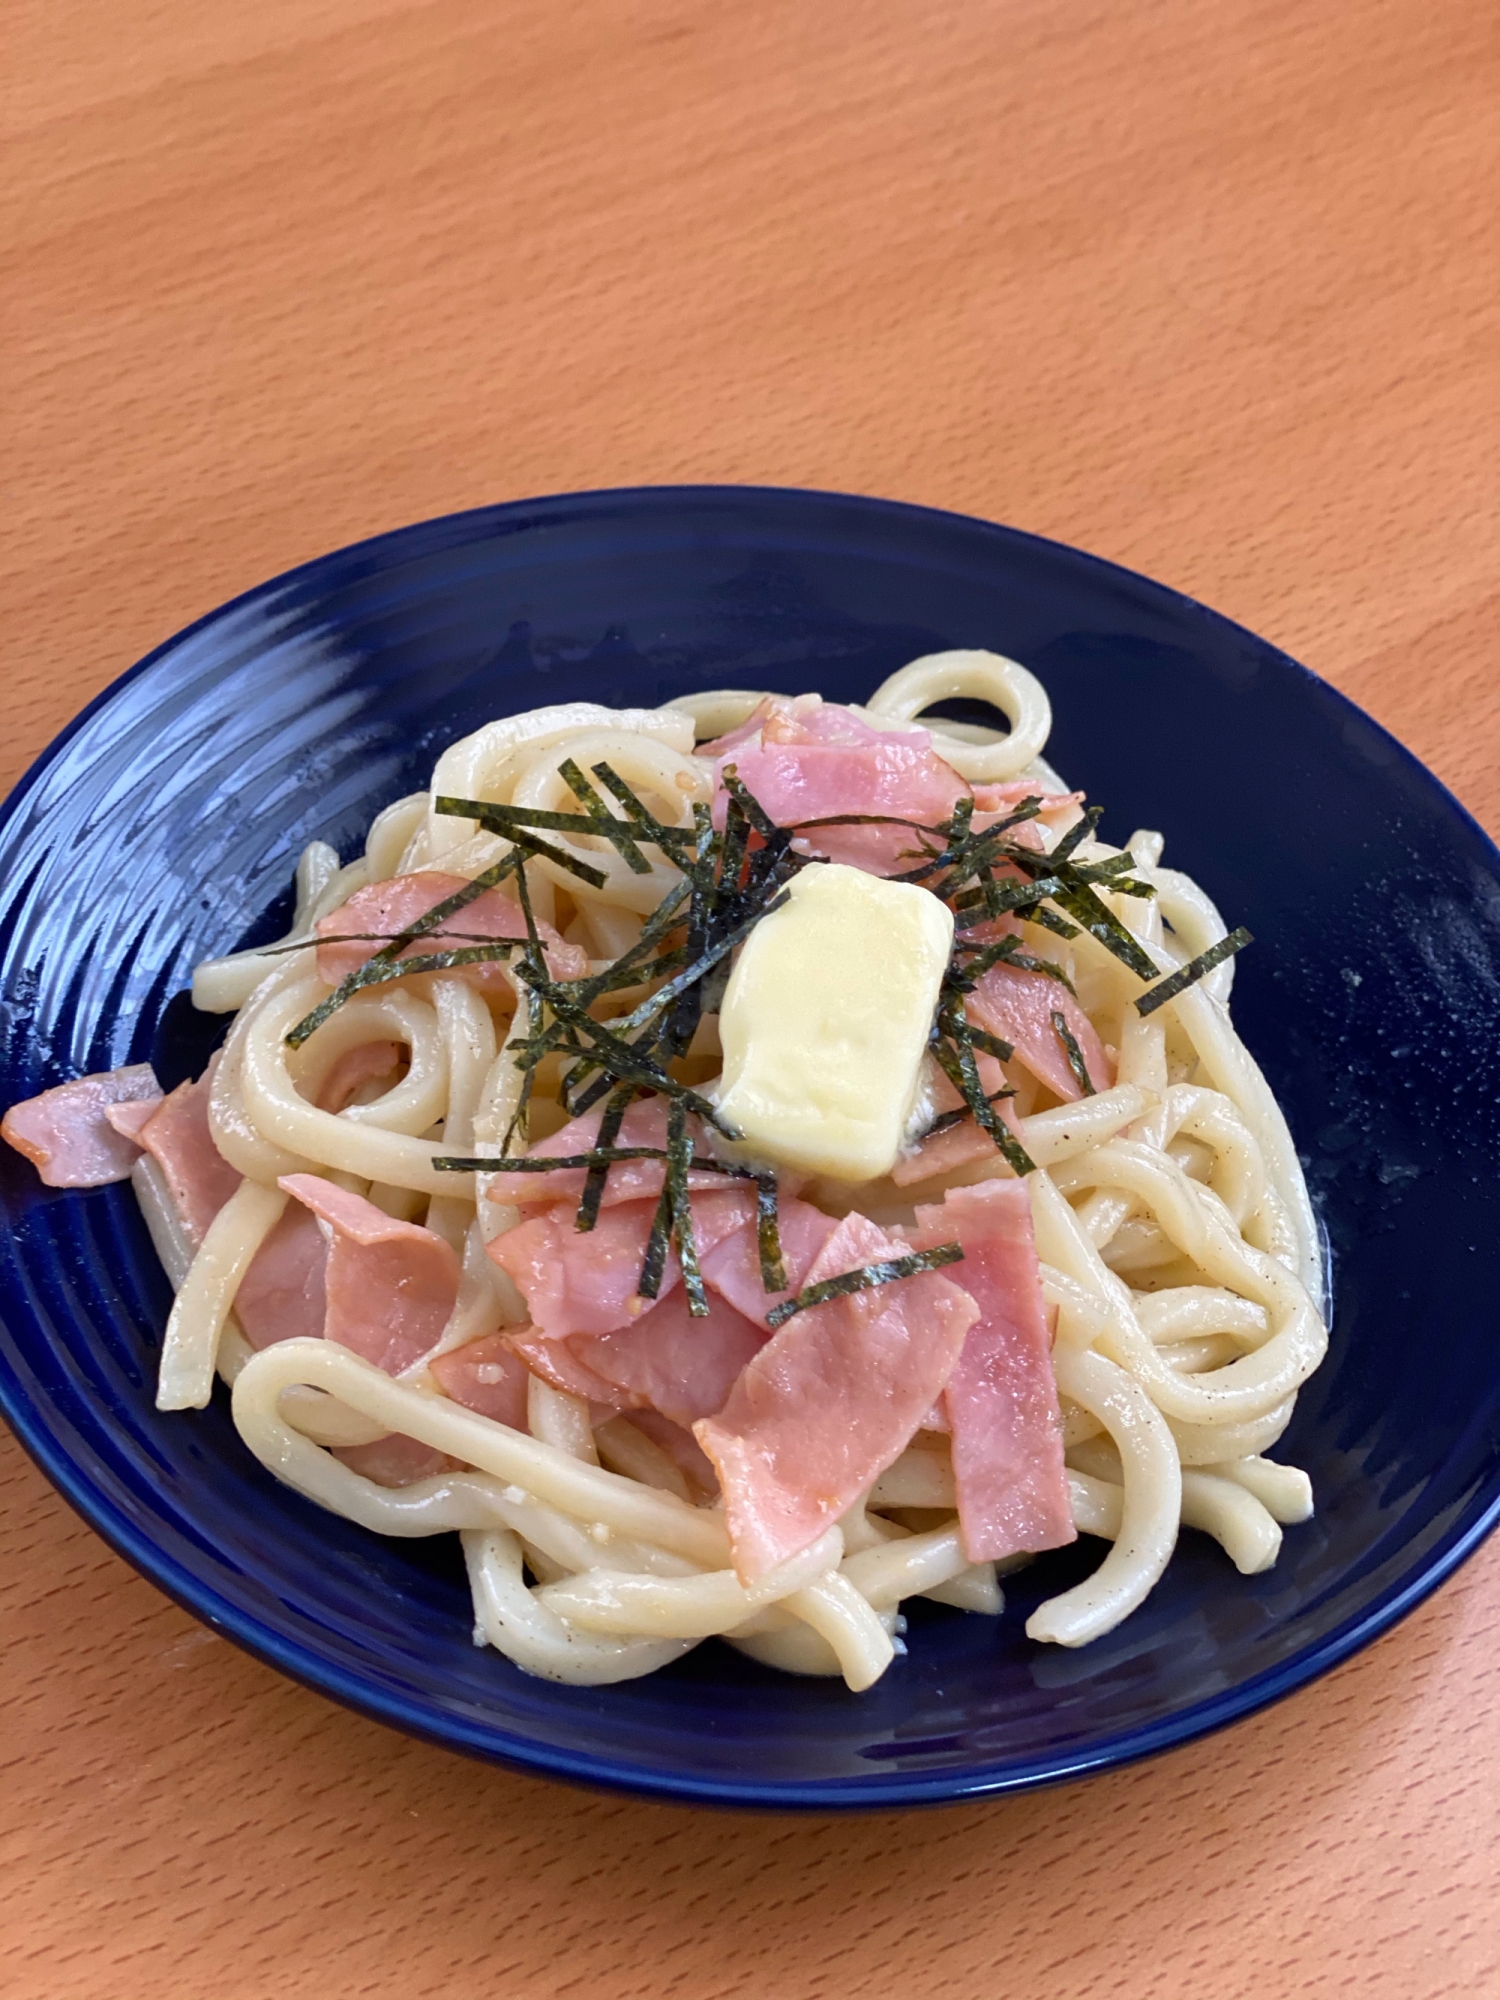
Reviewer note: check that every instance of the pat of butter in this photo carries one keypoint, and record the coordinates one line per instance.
(826, 1019)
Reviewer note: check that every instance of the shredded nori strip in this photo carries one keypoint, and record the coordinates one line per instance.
(626, 1061)
(1074, 1055)
(363, 937)
(649, 1282)
(598, 1173)
(887, 1272)
(679, 1159)
(546, 1163)
(1049, 920)
(751, 806)
(1005, 951)
(1102, 924)
(1189, 974)
(991, 1044)
(515, 822)
(610, 828)
(951, 1118)
(634, 810)
(1015, 896)
(768, 1232)
(954, 1052)
(1077, 834)
(430, 920)
(721, 948)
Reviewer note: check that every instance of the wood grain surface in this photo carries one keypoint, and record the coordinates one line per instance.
(1207, 286)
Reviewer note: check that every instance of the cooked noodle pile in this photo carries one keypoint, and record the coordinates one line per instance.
(1179, 1264)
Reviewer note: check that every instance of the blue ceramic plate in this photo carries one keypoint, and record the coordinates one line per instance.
(162, 827)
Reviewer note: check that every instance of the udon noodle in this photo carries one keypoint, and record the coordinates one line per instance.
(1179, 1260)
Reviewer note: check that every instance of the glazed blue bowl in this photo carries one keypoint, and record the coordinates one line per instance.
(162, 827)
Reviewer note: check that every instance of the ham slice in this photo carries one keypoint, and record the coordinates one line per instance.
(644, 1124)
(956, 1145)
(730, 1260)
(946, 1151)
(131, 1118)
(682, 1367)
(575, 1282)
(1018, 1006)
(585, 1281)
(284, 1294)
(680, 1446)
(823, 760)
(395, 1459)
(178, 1138)
(831, 1400)
(385, 908)
(370, 1062)
(750, 729)
(66, 1131)
(995, 801)
(488, 1376)
(557, 1362)
(391, 1286)
(1001, 1398)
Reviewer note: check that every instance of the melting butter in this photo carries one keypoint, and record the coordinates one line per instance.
(826, 1020)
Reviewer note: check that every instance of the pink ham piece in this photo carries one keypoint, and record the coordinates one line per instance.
(998, 800)
(66, 1131)
(585, 1281)
(284, 1294)
(730, 1261)
(370, 1062)
(178, 1138)
(1018, 1006)
(131, 1118)
(680, 1446)
(391, 1286)
(386, 908)
(576, 1282)
(831, 1400)
(957, 1145)
(682, 1367)
(486, 1375)
(644, 1124)
(1001, 1398)
(394, 1460)
(556, 1362)
(823, 760)
(774, 706)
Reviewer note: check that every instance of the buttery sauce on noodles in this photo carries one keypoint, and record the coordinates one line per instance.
(1179, 1264)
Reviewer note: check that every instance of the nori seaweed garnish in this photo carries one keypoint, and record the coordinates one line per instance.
(1074, 1055)
(598, 1173)
(768, 1232)
(675, 1187)
(886, 1272)
(1189, 974)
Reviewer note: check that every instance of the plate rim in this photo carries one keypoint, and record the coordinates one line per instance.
(490, 1743)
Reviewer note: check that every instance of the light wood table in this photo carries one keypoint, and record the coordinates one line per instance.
(1207, 286)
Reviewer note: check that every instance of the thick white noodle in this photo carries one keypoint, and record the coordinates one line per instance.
(221, 985)
(487, 764)
(191, 1344)
(978, 676)
(516, 1622)
(1179, 1249)
(618, 1505)
(666, 780)
(1151, 1510)
(282, 1117)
